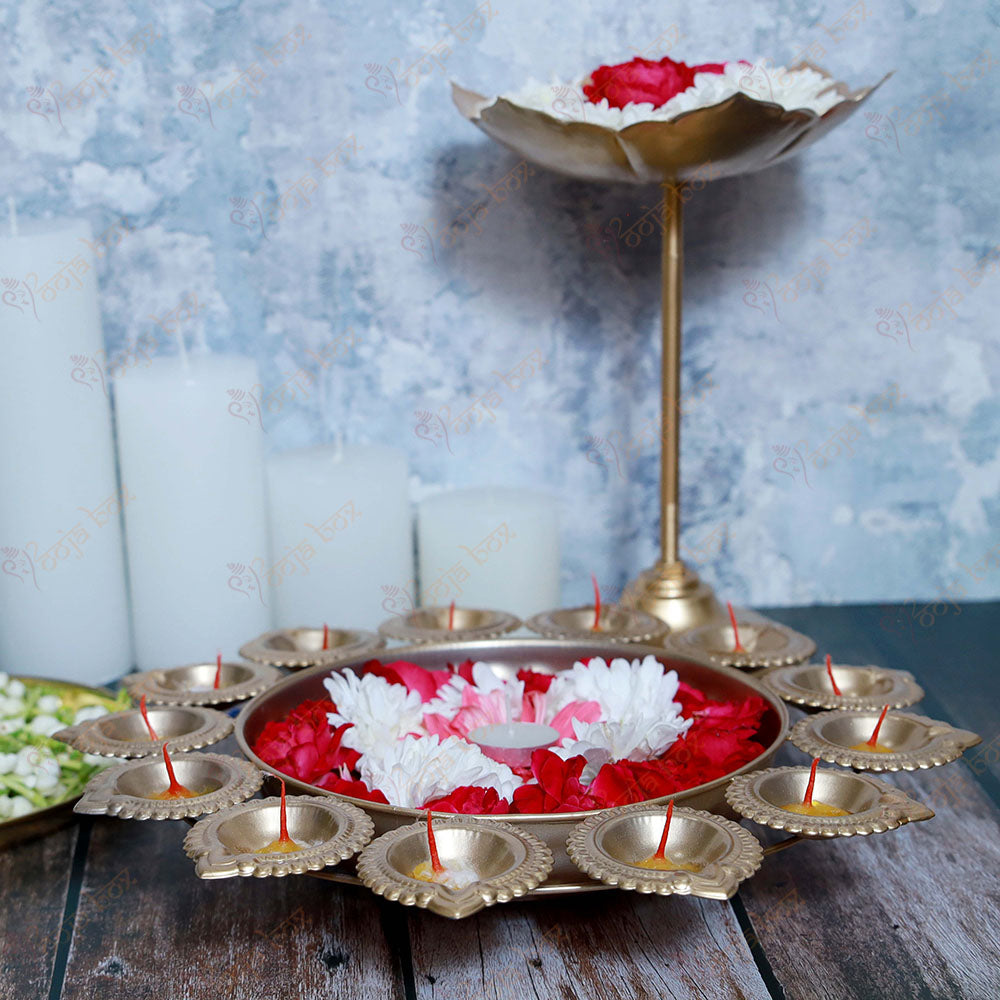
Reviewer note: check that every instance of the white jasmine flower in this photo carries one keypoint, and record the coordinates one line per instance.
(19, 806)
(12, 707)
(412, 771)
(49, 703)
(45, 725)
(7, 762)
(89, 712)
(381, 712)
(4, 679)
(15, 689)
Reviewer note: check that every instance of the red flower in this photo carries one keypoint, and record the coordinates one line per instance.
(342, 786)
(535, 681)
(470, 799)
(558, 787)
(304, 745)
(412, 677)
(643, 81)
(464, 670)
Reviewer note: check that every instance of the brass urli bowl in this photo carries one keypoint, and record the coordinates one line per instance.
(507, 656)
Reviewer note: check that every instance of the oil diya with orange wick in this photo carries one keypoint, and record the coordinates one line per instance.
(872, 745)
(433, 870)
(659, 860)
(810, 807)
(284, 844)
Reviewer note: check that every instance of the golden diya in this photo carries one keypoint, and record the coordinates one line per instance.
(684, 851)
(448, 624)
(218, 683)
(132, 734)
(454, 866)
(811, 803)
(310, 646)
(607, 622)
(889, 741)
(178, 787)
(750, 640)
(842, 687)
(277, 837)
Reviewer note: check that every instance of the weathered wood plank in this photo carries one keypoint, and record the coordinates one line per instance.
(148, 927)
(609, 946)
(909, 913)
(34, 877)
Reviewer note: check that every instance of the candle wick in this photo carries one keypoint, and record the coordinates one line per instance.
(873, 740)
(737, 647)
(12, 214)
(661, 850)
(807, 799)
(436, 865)
(829, 670)
(596, 627)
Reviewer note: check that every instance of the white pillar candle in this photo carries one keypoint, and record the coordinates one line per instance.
(197, 542)
(63, 607)
(341, 534)
(490, 548)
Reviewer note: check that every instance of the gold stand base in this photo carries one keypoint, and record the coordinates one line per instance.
(674, 594)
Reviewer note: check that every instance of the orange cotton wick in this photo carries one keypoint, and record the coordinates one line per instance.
(283, 837)
(218, 670)
(175, 790)
(451, 616)
(596, 627)
(432, 847)
(145, 718)
(660, 855)
(326, 637)
(737, 646)
(873, 739)
(807, 799)
(829, 671)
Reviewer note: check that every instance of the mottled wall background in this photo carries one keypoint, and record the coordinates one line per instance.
(895, 518)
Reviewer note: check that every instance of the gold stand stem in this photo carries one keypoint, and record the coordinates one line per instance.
(670, 590)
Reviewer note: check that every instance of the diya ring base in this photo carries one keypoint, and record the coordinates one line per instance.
(872, 805)
(915, 741)
(765, 643)
(430, 624)
(871, 687)
(617, 624)
(193, 683)
(302, 646)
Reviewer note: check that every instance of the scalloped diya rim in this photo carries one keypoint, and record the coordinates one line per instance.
(737, 135)
(487, 623)
(700, 642)
(618, 624)
(239, 781)
(938, 742)
(358, 642)
(528, 864)
(740, 857)
(154, 684)
(93, 737)
(901, 692)
(205, 841)
(884, 807)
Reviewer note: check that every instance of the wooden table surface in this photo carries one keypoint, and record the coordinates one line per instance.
(112, 909)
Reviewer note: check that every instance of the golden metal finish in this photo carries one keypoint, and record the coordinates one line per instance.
(766, 643)
(916, 742)
(609, 845)
(124, 790)
(193, 684)
(431, 625)
(230, 842)
(507, 861)
(618, 624)
(124, 734)
(874, 806)
(303, 646)
(507, 656)
(807, 684)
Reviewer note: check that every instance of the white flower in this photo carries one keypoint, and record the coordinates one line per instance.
(49, 703)
(412, 771)
(448, 699)
(16, 689)
(45, 725)
(19, 806)
(7, 762)
(89, 712)
(12, 708)
(4, 679)
(380, 712)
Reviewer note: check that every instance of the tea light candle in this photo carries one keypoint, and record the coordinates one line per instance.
(63, 605)
(513, 743)
(341, 531)
(199, 472)
(490, 548)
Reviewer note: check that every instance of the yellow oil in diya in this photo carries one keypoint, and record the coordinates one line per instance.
(434, 871)
(872, 745)
(659, 861)
(175, 790)
(284, 844)
(810, 807)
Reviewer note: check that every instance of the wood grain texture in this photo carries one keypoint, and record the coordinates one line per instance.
(148, 927)
(34, 877)
(910, 913)
(619, 946)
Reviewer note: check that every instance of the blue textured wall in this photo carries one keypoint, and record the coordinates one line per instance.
(893, 519)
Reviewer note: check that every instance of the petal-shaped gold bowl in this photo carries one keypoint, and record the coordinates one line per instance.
(193, 683)
(873, 806)
(738, 135)
(431, 625)
(870, 687)
(230, 842)
(915, 741)
(124, 734)
(303, 646)
(766, 643)
(608, 846)
(124, 790)
(617, 624)
(507, 861)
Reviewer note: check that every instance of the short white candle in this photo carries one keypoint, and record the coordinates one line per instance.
(341, 533)
(196, 546)
(63, 606)
(490, 548)
(513, 743)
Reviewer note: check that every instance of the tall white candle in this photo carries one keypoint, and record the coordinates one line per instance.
(490, 548)
(63, 607)
(341, 534)
(197, 544)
